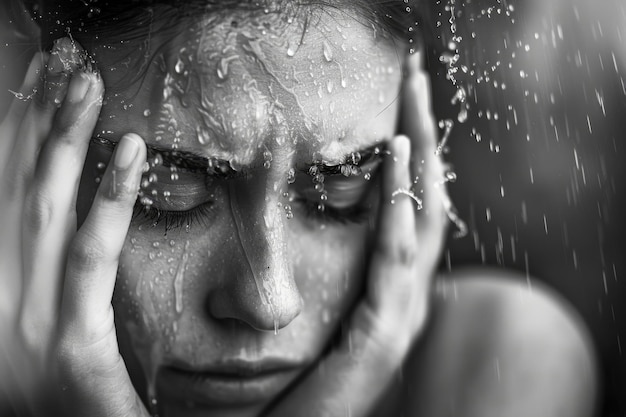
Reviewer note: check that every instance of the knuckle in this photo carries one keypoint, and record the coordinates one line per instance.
(402, 252)
(38, 212)
(86, 252)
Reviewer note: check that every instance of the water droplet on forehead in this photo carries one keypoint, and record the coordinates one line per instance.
(327, 51)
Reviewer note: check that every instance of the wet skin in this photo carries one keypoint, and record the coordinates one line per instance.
(258, 256)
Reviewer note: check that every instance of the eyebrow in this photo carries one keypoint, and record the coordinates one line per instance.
(193, 163)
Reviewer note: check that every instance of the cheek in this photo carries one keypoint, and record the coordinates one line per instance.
(329, 267)
(148, 296)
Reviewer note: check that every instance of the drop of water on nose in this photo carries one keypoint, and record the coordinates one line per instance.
(292, 48)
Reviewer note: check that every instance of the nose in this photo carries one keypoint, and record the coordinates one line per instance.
(260, 290)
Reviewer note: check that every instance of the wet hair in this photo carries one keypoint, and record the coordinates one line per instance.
(90, 20)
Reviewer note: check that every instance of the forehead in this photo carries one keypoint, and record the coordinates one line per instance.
(233, 84)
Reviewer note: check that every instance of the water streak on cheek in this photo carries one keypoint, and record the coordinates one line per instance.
(145, 307)
(179, 279)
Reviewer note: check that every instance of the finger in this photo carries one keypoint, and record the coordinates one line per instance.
(393, 280)
(37, 121)
(427, 167)
(23, 95)
(10, 207)
(91, 369)
(95, 250)
(49, 213)
(383, 327)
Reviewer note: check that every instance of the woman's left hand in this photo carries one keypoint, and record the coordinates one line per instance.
(394, 310)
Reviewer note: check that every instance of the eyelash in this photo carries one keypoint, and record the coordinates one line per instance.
(173, 219)
(355, 214)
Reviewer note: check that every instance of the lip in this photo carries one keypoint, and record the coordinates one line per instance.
(228, 383)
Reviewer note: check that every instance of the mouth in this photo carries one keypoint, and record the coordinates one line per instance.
(229, 383)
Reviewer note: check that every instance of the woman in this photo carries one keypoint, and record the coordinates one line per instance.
(279, 256)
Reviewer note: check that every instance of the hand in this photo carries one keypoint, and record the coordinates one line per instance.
(394, 310)
(56, 321)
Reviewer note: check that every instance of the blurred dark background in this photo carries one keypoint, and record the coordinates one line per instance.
(539, 161)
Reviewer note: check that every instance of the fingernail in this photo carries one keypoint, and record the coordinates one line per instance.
(66, 56)
(79, 85)
(54, 65)
(414, 62)
(401, 150)
(126, 151)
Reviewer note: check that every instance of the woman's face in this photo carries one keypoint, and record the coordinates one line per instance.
(234, 278)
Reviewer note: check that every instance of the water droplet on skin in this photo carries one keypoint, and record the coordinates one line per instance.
(329, 86)
(179, 279)
(292, 48)
(147, 113)
(101, 165)
(451, 176)
(291, 176)
(327, 51)
(179, 67)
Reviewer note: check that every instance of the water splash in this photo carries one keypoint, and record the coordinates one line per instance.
(447, 125)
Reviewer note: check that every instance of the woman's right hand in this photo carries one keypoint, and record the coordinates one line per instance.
(56, 282)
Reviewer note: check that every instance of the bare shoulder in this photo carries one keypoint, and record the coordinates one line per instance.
(499, 345)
